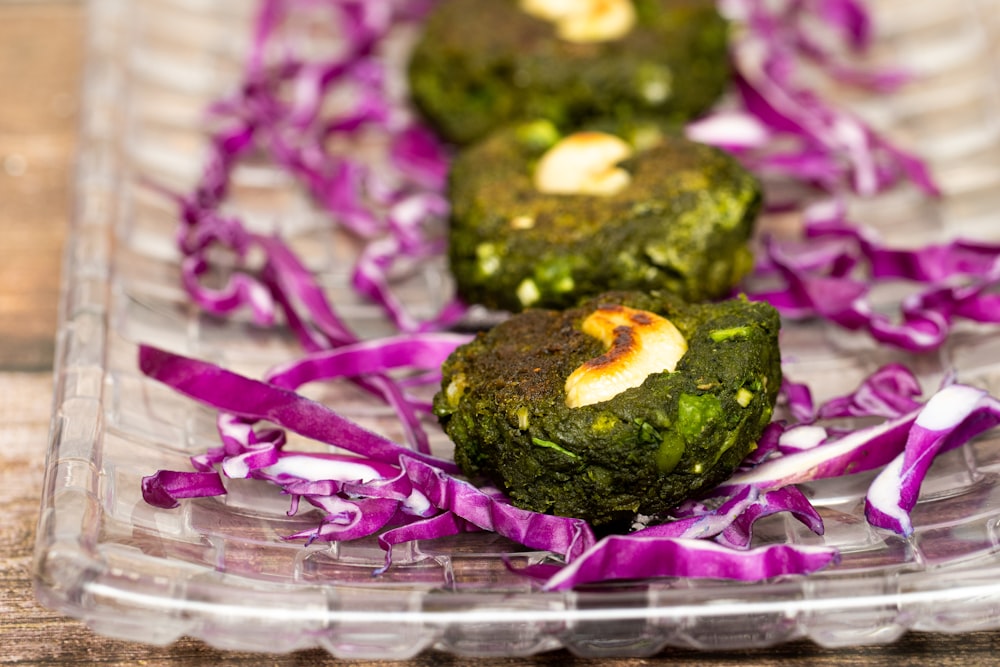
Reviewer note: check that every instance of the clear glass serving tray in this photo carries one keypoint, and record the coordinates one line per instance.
(217, 569)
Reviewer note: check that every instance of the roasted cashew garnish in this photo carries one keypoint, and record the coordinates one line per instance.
(584, 163)
(584, 21)
(639, 343)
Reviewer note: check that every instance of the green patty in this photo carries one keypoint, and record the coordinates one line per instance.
(482, 63)
(683, 225)
(502, 402)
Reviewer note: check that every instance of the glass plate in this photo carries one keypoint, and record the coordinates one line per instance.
(218, 569)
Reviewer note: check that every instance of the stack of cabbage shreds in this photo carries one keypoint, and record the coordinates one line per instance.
(627, 404)
(482, 63)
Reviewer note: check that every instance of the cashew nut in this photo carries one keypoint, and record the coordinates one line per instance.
(584, 163)
(584, 21)
(639, 344)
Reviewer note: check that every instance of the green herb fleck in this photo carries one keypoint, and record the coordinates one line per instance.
(548, 444)
(719, 335)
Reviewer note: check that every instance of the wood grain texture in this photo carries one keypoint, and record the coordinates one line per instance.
(40, 44)
(39, 72)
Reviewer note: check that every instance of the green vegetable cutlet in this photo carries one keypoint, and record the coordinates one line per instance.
(681, 221)
(482, 63)
(577, 413)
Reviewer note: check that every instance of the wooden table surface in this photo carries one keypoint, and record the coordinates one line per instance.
(40, 58)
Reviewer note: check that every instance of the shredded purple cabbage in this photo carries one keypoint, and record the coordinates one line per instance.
(166, 487)
(731, 523)
(781, 128)
(634, 557)
(831, 273)
(369, 485)
(252, 399)
(950, 418)
(821, 143)
(402, 480)
(905, 444)
(492, 511)
(282, 113)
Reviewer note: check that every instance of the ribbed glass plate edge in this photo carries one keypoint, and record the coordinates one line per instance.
(140, 597)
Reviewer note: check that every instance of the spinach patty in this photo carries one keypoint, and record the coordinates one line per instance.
(682, 224)
(482, 63)
(503, 402)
